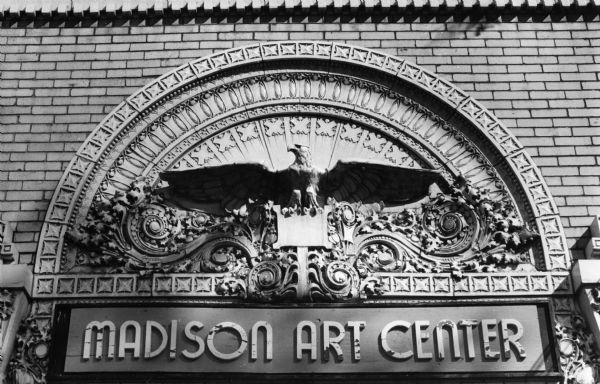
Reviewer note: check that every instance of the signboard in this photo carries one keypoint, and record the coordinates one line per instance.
(307, 340)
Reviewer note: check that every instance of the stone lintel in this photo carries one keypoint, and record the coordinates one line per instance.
(592, 249)
(585, 273)
(16, 276)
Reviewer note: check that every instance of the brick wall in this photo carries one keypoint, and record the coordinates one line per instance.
(58, 81)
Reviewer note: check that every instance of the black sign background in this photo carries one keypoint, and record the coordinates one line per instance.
(62, 323)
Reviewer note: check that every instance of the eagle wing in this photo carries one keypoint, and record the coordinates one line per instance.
(370, 182)
(229, 185)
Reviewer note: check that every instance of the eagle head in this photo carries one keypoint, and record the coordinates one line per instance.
(302, 154)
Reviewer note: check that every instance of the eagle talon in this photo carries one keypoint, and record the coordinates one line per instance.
(291, 210)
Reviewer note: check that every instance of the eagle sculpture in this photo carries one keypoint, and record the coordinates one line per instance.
(301, 187)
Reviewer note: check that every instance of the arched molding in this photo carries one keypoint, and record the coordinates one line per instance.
(210, 76)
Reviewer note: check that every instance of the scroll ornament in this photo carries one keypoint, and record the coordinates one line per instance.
(332, 276)
(459, 231)
(139, 232)
(276, 276)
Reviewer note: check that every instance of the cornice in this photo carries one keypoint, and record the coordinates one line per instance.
(53, 8)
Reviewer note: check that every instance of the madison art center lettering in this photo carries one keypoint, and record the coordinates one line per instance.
(306, 338)
(319, 339)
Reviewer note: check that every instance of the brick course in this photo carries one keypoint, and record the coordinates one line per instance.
(541, 78)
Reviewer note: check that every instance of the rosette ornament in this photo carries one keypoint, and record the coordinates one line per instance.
(153, 230)
(380, 254)
(450, 228)
(274, 278)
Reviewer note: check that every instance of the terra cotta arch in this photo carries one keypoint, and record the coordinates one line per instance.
(161, 125)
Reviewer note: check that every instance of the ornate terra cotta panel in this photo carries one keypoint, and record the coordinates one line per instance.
(302, 172)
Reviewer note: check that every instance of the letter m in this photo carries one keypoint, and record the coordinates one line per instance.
(98, 329)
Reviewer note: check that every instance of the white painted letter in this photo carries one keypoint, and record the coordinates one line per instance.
(452, 335)
(355, 328)
(268, 333)
(468, 325)
(404, 326)
(486, 335)
(242, 337)
(333, 342)
(420, 336)
(195, 338)
(508, 340)
(173, 340)
(312, 343)
(136, 344)
(99, 328)
(148, 352)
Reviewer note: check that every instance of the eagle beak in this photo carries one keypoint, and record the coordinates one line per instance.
(292, 149)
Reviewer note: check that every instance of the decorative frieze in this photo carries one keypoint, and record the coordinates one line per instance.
(381, 284)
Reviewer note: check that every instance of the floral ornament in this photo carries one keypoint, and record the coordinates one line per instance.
(6, 304)
(456, 232)
(578, 359)
(372, 286)
(275, 276)
(231, 286)
(595, 302)
(503, 240)
(331, 277)
(30, 362)
(139, 232)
